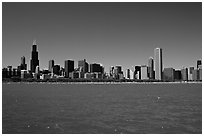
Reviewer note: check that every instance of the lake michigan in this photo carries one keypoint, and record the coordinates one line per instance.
(101, 108)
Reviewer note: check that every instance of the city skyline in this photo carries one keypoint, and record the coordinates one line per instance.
(109, 33)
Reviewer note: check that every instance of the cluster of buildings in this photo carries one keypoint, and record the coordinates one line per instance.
(152, 71)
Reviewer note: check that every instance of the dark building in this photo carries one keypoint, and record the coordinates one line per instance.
(83, 66)
(177, 75)
(34, 58)
(137, 71)
(168, 74)
(199, 62)
(150, 68)
(51, 65)
(96, 68)
(56, 69)
(68, 67)
(4, 73)
(195, 75)
(23, 64)
(9, 68)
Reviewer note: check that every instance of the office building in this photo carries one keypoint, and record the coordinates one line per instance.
(168, 74)
(195, 75)
(56, 69)
(68, 67)
(37, 70)
(143, 70)
(23, 65)
(190, 73)
(158, 65)
(34, 58)
(51, 65)
(177, 75)
(137, 72)
(199, 62)
(127, 74)
(200, 74)
(151, 68)
(83, 66)
(96, 68)
(184, 74)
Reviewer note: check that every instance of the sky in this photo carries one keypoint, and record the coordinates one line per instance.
(112, 34)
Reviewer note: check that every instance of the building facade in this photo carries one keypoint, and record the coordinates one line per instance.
(158, 65)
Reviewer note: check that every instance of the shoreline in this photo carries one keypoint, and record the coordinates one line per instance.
(105, 83)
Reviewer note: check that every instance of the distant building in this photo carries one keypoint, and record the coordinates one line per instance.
(184, 74)
(195, 75)
(56, 69)
(199, 62)
(51, 65)
(137, 72)
(69, 67)
(23, 65)
(200, 74)
(151, 68)
(158, 65)
(4, 73)
(127, 74)
(111, 72)
(34, 58)
(83, 65)
(9, 68)
(96, 68)
(177, 75)
(37, 70)
(168, 74)
(144, 75)
(190, 73)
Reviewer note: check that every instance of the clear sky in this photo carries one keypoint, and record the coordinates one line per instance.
(108, 33)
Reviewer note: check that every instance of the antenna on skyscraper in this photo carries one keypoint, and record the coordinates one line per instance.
(34, 42)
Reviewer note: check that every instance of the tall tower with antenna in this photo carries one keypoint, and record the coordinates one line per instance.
(34, 57)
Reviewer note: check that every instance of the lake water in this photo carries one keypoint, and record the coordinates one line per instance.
(101, 108)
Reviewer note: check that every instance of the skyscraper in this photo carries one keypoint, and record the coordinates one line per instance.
(199, 62)
(34, 58)
(69, 67)
(144, 72)
(158, 63)
(184, 74)
(83, 65)
(23, 66)
(51, 64)
(151, 68)
(168, 74)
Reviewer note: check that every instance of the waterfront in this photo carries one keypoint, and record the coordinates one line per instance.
(102, 108)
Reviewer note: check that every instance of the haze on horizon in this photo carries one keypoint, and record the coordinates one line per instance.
(108, 33)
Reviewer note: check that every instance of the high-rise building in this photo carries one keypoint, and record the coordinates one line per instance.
(56, 69)
(144, 72)
(23, 65)
(184, 74)
(195, 75)
(51, 64)
(127, 74)
(151, 68)
(34, 58)
(168, 74)
(137, 72)
(158, 65)
(83, 66)
(199, 62)
(96, 68)
(177, 75)
(190, 73)
(69, 67)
